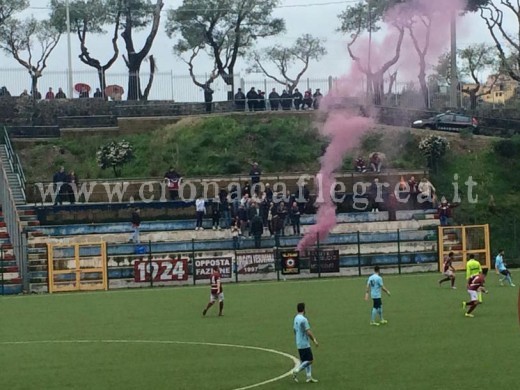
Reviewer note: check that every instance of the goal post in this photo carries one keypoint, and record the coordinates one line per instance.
(464, 241)
(77, 267)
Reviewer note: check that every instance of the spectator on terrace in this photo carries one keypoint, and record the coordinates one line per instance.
(297, 99)
(270, 216)
(36, 95)
(255, 173)
(252, 212)
(391, 206)
(72, 186)
(173, 181)
(317, 99)
(60, 94)
(24, 93)
(257, 229)
(307, 100)
(360, 165)
(208, 97)
(59, 179)
(295, 218)
(285, 100)
(49, 95)
(444, 211)
(4, 92)
(136, 223)
(235, 199)
(240, 100)
(374, 196)
(84, 93)
(98, 94)
(246, 189)
(252, 98)
(376, 162)
(426, 192)
(235, 233)
(242, 217)
(224, 208)
(260, 105)
(268, 192)
(278, 227)
(215, 214)
(264, 208)
(200, 210)
(302, 196)
(282, 213)
(412, 185)
(274, 100)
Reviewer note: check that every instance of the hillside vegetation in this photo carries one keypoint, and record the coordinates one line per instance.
(223, 145)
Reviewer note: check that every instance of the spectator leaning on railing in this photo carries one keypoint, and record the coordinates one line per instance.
(200, 210)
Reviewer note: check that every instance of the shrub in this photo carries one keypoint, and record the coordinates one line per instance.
(434, 147)
(508, 148)
(114, 155)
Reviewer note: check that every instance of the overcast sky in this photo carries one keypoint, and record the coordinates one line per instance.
(317, 17)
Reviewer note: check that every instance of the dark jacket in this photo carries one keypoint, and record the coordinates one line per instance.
(136, 218)
(257, 226)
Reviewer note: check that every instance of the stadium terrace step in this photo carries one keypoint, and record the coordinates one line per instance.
(11, 289)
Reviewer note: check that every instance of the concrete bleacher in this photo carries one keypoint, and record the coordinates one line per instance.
(361, 238)
(10, 282)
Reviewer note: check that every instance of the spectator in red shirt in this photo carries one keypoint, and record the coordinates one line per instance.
(49, 95)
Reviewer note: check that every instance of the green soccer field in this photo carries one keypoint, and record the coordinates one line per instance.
(158, 339)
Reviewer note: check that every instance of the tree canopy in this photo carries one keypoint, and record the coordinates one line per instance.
(224, 29)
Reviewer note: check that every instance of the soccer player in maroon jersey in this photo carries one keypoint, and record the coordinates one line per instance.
(216, 292)
(475, 285)
(448, 271)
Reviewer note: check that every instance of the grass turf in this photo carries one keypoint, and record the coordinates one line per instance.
(428, 343)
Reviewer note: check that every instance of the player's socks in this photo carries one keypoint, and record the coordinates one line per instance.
(443, 280)
(453, 283)
(479, 294)
(374, 314)
(508, 278)
(302, 366)
(221, 307)
(308, 371)
(472, 307)
(380, 312)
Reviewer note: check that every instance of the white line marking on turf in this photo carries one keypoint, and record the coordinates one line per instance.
(293, 359)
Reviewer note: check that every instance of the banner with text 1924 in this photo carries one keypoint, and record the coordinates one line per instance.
(161, 270)
(328, 261)
(204, 267)
(252, 263)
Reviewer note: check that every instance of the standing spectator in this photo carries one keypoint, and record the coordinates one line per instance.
(252, 212)
(224, 208)
(252, 98)
(36, 95)
(261, 101)
(307, 100)
(426, 192)
(282, 214)
(235, 233)
(59, 179)
(285, 100)
(208, 97)
(444, 211)
(412, 184)
(4, 92)
(73, 186)
(257, 229)
(274, 100)
(60, 94)
(246, 189)
(376, 162)
(24, 93)
(242, 217)
(136, 223)
(200, 209)
(317, 99)
(98, 94)
(278, 227)
(255, 173)
(271, 212)
(391, 206)
(240, 100)
(268, 193)
(49, 95)
(85, 92)
(295, 219)
(215, 214)
(297, 99)
(173, 181)
(374, 195)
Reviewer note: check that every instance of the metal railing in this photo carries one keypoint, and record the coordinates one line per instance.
(14, 225)
(14, 162)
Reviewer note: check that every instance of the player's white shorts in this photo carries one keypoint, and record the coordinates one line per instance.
(215, 297)
(473, 295)
(448, 273)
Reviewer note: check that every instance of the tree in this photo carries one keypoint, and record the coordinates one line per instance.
(9, 7)
(505, 37)
(19, 37)
(475, 59)
(137, 15)
(90, 17)
(424, 21)
(434, 147)
(114, 155)
(305, 49)
(224, 29)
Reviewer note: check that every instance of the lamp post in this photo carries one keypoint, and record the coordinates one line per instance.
(69, 52)
(454, 101)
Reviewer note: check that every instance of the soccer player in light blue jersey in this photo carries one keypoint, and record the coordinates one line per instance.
(374, 287)
(302, 331)
(501, 269)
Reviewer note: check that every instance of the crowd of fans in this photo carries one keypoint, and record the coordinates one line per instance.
(51, 95)
(256, 100)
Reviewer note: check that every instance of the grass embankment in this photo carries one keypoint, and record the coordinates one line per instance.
(227, 144)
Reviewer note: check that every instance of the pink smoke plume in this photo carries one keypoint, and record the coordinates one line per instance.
(344, 128)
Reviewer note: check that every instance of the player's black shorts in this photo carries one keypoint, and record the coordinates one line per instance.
(306, 355)
(377, 303)
(505, 272)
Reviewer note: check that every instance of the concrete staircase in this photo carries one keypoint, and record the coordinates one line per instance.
(10, 282)
(12, 176)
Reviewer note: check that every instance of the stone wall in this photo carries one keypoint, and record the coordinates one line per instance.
(16, 111)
